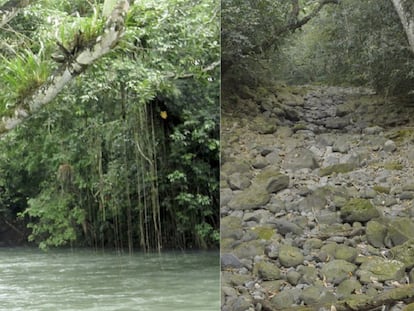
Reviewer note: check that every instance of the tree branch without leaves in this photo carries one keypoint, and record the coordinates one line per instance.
(293, 24)
(10, 9)
(84, 57)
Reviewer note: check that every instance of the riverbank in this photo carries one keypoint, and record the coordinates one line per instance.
(317, 194)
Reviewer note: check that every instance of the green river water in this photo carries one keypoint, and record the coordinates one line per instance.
(102, 281)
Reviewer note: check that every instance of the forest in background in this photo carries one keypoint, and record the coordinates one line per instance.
(126, 155)
(330, 42)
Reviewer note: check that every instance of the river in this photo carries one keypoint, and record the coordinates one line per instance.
(104, 281)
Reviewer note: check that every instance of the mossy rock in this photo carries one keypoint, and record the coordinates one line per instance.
(358, 209)
(264, 233)
(404, 253)
(251, 198)
(299, 127)
(337, 168)
(393, 166)
(382, 189)
(402, 134)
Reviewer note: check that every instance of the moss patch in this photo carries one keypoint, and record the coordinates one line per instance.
(393, 166)
(336, 168)
(381, 189)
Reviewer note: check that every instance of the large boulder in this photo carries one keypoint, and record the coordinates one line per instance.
(358, 210)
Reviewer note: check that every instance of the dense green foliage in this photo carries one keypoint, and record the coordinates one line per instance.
(356, 43)
(351, 42)
(99, 166)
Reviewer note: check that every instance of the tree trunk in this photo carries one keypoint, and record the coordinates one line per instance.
(405, 10)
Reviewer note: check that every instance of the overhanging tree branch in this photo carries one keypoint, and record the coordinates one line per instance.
(84, 57)
(405, 10)
(294, 23)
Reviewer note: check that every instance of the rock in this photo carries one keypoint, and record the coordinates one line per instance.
(358, 210)
(404, 253)
(373, 130)
(250, 198)
(346, 253)
(336, 123)
(293, 277)
(236, 166)
(267, 271)
(310, 295)
(271, 180)
(290, 256)
(347, 287)
(225, 196)
(299, 159)
(341, 145)
(309, 274)
(406, 195)
(249, 249)
(337, 270)
(283, 226)
(263, 125)
(231, 227)
(239, 303)
(285, 299)
(238, 181)
(390, 146)
(400, 230)
(375, 233)
(229, 261)
(380, 269)
(264, 233)
(312, 243)
(336, 168)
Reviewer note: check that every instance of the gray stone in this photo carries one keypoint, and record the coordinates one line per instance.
(341, 145)
(406, 195)
(309, 274)
(238, 181)
(239, 303)
(290, 256)
(229, 261)
(346, 253)
(375, 233)
(347, 287)
(271, 180)
(381, 270)
(293, 277)
(285, 299)
(299, 159)
(358, 210)
(225, 196)
(267, 271)
(390, 146)
(404, 253)
(312, 243)
(336, 123)
(337, 270)
(373, 130)
(310, 295)
(400, 230)
(231, 227)
(250, 198)
(283, 227)
(249, 249)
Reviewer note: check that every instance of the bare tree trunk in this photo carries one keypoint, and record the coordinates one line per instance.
(405, 10)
